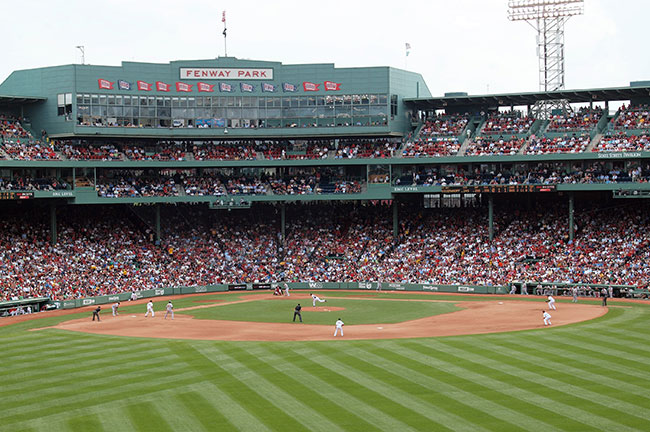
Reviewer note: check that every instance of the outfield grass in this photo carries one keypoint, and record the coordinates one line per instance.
(356, 311)
(581, 377)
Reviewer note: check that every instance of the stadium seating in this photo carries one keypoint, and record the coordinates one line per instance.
(633, 117)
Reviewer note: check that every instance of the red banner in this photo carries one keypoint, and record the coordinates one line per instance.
(310, 86)
(332, 86)
(182, 87)
(105, 84)
(204, 87)
(161, 86)
(142, 85)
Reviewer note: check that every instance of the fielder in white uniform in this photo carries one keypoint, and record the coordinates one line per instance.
(547, 318)
(339, 326)
(149, 309)
(286, 290)
(114, 307)
(170, 309)
(551, 302)
(314, 297)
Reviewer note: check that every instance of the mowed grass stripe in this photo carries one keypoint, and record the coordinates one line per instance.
(75, 385)
(237, 363)
(394, 401)
(232, 410)
(168, 406)
(90, 396)
(290, 363)
(85, 423)
(531, 403)
(266, 411)
(307, 396)
(210, 418)
(596, 405)
(453, 400)
(53, 359)
(598, 343)
(485, 362)
(456, 386)
(146, 417)
(61, 376)
(632, 371)
(556, 360)
(638, 340)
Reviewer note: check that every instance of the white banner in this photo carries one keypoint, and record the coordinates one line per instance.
(226, 73)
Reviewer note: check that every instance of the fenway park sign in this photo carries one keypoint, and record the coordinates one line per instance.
(226, 73)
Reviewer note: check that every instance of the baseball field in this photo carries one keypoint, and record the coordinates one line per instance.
(205, 371)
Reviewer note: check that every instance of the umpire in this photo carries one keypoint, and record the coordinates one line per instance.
(296, 312)
(96, 313)
(604, 294)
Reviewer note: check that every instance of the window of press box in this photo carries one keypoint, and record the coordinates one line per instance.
(64, 104)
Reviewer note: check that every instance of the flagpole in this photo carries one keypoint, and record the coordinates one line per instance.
(225, 47)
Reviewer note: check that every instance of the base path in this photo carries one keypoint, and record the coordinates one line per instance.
(476, 317)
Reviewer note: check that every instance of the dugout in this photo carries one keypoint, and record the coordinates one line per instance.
(20, 307)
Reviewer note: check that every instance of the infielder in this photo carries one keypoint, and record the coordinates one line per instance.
(339, 326)
(114, 307)
(314, 297)
(170, 309)
(551, 302)
(286, 290)
(547, 318)
(149, 309)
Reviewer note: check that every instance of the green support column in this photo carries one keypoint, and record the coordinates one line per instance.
(54, 235)
(74, 179)
(157, 223)
(395, 221)
(283, 222)
(491, 216)
(571, 217)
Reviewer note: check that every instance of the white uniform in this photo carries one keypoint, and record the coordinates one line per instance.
(551, 303)
(170, 310)
(314, 297)
(134, 296)
(339, 326)
(286, 290)
(547, 318)
(114, 307)
(150, 309)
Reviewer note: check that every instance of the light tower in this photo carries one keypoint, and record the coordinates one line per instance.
(547, 17)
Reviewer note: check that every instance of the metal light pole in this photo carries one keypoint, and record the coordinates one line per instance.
(547, 17)
(83, 53)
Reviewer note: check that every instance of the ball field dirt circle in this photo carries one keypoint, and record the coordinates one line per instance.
(475, 317)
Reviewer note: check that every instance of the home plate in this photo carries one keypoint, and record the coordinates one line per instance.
(380, 328)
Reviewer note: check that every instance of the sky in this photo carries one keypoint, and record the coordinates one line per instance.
(457, 45)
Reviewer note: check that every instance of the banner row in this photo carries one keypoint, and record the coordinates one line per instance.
(221, 86)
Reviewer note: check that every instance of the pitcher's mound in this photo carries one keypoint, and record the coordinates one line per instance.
(323, 309)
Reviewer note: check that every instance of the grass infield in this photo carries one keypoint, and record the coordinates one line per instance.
(591, 376)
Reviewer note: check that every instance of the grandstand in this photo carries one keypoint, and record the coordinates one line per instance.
(312, 173)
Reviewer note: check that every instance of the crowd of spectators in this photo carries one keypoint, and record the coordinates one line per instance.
(224, 151)
(369, 148)
(540, 173)
(431, 147)
(621, 142)
(104, 251)
(135, 186)
(582, 120)
(633, 117)
(27, 150)
(11, 128)
(559, 144)
(444, 125)
(490, 146)
(103, 152)
(27, 183)
(507, 123)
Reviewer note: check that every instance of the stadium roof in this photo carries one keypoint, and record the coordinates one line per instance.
(521, 99)
(17, 100)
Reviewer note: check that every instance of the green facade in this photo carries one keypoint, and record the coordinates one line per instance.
(358, 105)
